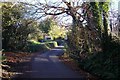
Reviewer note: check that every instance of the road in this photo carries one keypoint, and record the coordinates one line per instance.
(48, 65)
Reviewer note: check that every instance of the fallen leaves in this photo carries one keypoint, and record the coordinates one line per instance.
(13, 63)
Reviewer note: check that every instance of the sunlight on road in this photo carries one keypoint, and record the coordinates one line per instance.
(56, 49)
(41, 59)
(53, 56)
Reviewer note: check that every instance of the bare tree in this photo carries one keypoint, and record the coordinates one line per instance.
(63, 7)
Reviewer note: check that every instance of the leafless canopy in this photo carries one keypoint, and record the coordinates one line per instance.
(73, 8)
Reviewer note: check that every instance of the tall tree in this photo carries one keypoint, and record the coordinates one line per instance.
(10, 15)
(15, 27)
(106, 40)
(45, 25)
(80, 12)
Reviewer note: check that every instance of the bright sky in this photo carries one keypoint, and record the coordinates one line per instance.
(114, 2)
(114, 5)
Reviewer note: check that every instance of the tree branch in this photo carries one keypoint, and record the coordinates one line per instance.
(55, 13)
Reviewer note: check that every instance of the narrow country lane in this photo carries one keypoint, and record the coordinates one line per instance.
(48, 65)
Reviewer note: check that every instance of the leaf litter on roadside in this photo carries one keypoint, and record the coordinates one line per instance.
(14, 63)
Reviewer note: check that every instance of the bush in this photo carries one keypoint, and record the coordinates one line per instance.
(2, 57)
(105, 65)
(102, 64)
(37, 47)
(34, 46)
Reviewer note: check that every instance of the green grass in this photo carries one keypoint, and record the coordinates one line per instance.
(34, 42)
(51, 44)
(2, 57)
(35, 46)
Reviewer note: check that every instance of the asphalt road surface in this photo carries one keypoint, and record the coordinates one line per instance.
(48, 65)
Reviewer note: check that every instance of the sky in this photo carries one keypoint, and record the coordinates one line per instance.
(114, 5)
(33, 1)
(114, 2)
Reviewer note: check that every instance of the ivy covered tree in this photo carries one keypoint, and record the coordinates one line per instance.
(105, 36)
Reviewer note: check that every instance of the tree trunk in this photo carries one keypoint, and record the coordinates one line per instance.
(105, 36)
